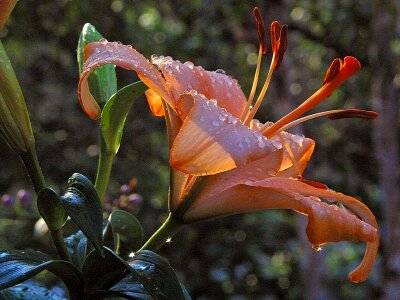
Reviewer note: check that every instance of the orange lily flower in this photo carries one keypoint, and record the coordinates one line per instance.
(226, 162)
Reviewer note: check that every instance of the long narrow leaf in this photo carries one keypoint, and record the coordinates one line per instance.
(19, 265)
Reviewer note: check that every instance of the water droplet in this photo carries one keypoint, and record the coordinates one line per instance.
(189, 64)
(215, 123)
(221, 117)
(317, 248)
(298, 139)
(103, 41)
(261, 144)
(220, 71)
(277, 144)
(232, 120)
(97, 50)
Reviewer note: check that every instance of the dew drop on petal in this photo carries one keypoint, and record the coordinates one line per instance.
(297, 139)
(221, 117)
(261, 144)
(215, 123)
(277, 145)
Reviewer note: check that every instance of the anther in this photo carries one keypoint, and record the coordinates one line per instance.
(333, 70)
(260, 29)
(353, 113)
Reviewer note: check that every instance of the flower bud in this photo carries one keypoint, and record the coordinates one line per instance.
(15, 125)
(103, 81)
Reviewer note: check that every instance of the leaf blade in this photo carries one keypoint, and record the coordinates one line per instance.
(115, 112)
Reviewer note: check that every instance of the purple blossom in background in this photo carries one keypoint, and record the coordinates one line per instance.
(124, 189)
(7, 200)
(24, 197)
(134, 198)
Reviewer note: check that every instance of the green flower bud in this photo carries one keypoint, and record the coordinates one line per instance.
(103, 81)
(15, 125)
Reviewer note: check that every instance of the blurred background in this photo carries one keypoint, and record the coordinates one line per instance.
(262, 255)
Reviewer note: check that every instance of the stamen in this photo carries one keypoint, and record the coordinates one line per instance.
(260, 29)
(252, 112)
(262, 50)
(354, 113)
(291, 155)
(254, 86)
(331, 114)
(275, 30)
(332, 71)
(279, 45)
(351, 65)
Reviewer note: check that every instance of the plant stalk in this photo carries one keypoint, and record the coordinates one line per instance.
(167, 230)
(32, 165)
(60, 245)
(103, 169)
(35, 173)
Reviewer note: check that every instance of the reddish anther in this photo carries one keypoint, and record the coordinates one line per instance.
(333, 70)
(260, 29)
(354, 113)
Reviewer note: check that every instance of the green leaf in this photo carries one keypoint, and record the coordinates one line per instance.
(102, 272)
(103, 80)
(126, 230)
(29, 292)
(82, 204)
(112, 269)
(114, 114)
(77, 248)
(158, 271)
(18, 265)
(50, 208)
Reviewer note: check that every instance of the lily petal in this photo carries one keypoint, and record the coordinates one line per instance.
(211, 140)
(100, 53)
(355, 206)
(184, 77)
(155, 103)
(327, 223)
(297, 153)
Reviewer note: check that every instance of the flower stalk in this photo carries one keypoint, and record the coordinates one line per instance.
(164, 234)
(106, 158)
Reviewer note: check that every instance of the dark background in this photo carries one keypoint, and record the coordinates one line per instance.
(261, 255)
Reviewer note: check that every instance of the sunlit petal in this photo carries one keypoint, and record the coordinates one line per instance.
(101, 53)
(212, 141)
(184, 77)
(327, 223)
(355, 206)
(297, 153)
(155, 103)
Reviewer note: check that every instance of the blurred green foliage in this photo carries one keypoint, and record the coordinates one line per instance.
(255, 256)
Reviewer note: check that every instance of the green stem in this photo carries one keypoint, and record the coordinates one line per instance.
(103, 169)
(165, 232)
(60, 245)
(31, 163)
